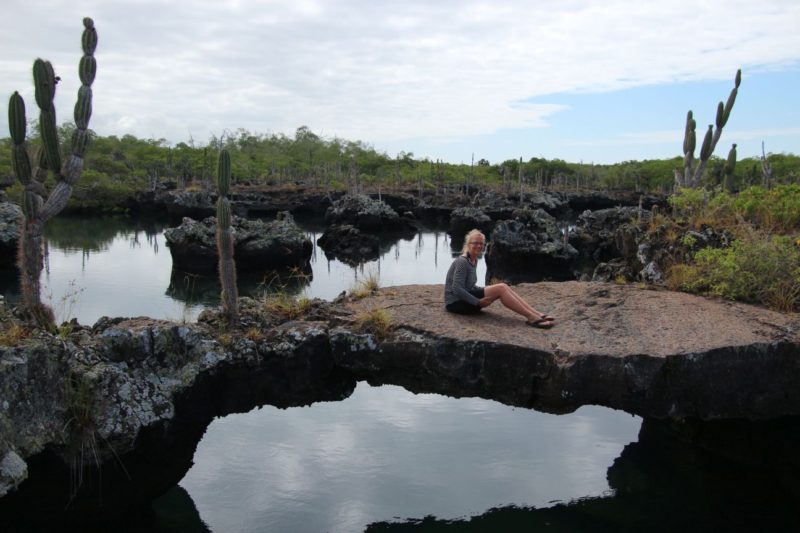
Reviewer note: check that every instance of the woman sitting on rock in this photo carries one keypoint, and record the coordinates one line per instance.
(462, 296)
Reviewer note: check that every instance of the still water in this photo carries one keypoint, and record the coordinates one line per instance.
(383, 454)
(386, 453)
(120, 267)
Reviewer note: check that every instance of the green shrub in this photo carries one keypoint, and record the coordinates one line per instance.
(688, 201)
(755, 268)
(777, 208)
(97, 190)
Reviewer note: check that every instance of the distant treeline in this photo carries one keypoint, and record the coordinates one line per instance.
(116, 165)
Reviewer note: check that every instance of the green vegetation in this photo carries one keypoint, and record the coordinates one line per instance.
(775, 210)
(117, 168)
(753, 269)
(762, 265)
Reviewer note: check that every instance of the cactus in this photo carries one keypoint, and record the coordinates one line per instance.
(691, 174)
(730, 166)
(36, 211)
(227, 266)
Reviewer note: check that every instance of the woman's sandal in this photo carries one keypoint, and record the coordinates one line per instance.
(543, 323)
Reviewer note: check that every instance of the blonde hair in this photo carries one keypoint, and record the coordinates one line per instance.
(469, 236)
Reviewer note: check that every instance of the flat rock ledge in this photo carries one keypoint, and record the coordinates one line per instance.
(147, 389)
(652, 353)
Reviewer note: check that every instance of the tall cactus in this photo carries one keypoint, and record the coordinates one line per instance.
(691, 173)
(227, 266)
(37, 211)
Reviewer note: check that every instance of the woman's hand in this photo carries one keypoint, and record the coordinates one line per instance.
(485, 301)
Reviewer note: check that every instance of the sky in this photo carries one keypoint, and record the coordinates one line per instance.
(592, 81)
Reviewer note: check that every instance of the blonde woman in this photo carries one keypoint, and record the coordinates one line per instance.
(463, 296)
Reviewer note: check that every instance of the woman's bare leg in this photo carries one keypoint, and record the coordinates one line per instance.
(512, 300)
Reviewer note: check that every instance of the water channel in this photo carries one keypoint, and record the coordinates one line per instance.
(384, 458)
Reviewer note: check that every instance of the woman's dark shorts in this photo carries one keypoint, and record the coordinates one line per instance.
(465, 308)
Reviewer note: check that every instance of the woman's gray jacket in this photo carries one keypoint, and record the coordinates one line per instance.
(461, 278)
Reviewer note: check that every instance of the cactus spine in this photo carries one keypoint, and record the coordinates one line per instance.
(227, 266)
(36, 211)
(691, 175)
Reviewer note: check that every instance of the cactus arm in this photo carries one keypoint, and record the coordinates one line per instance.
(17, 121)
(689, 142)
(68, 174)
(730, 164)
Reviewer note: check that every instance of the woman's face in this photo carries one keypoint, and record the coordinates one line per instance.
(476, 245)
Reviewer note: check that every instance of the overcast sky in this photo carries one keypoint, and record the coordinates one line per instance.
(600, 81)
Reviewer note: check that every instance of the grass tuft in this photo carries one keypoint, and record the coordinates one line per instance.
(366, 287)
(377, 322)
(286, 306)
(14, 335)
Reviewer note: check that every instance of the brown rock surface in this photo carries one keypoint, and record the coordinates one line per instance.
(653, 353)
(594, 319)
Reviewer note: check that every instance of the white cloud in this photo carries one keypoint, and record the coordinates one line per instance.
(380, 71)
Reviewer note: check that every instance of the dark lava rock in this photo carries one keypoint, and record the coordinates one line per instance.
(597, 200)
(367, 214)
(550, 202)
(348, 244)
(400, 202)
(192, 204)
(465, 219)
(257, 244)
(614, 270)
(655, 253)
(10, 220)
(707, 237)
(606, 234)
(529, 248)
(432, 214)
(254, 201)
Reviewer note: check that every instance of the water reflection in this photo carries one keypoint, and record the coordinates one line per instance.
(117, 266)
(663, 482)
(197, 289)
(385, 452)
